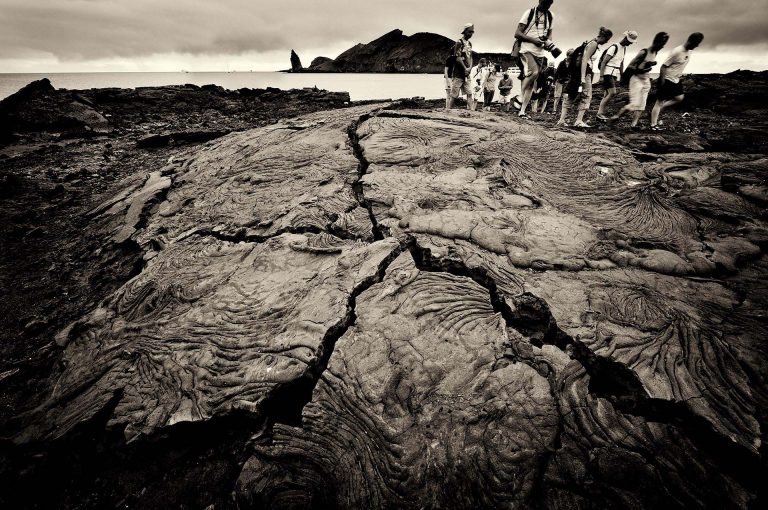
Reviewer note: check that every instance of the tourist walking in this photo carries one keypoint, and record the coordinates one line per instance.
(611, 67)
(561, 78)
(543, 88)
(489, 90)
(477, 78)
(460, 83)
(448, 78)
(669, 90)
(505, 90)
(579, 86)
(640, 82)
(534, 33)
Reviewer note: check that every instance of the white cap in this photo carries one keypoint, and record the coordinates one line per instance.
(631, 35)
(469, 25)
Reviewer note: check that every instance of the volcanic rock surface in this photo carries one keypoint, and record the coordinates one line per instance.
(440, 310)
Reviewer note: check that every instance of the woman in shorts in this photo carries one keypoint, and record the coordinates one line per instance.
(640, 82)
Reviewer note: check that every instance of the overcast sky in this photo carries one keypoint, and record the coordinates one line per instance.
(223, 35)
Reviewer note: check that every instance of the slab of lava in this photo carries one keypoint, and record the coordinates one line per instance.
(435, 310)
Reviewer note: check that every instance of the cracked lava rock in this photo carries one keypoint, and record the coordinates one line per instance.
(422, 309)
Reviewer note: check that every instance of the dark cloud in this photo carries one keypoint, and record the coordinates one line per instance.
(76, 30)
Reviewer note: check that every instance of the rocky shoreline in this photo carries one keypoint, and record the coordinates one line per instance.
(265, 298)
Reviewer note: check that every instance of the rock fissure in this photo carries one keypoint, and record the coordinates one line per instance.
(362, 169)
(242, 235)
(530, 315)
(286, 401)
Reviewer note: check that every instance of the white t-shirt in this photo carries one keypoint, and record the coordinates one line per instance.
(540, 27)
(613, 66)
(676, 63)
(477, 74)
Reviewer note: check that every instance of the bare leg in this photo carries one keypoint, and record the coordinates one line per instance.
(564, 112)
(636, 117)
(606, 98)
(554, 105)
(528, 84)
(660, 106)
(624, 109)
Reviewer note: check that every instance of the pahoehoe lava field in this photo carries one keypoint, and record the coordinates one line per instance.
(388, 308)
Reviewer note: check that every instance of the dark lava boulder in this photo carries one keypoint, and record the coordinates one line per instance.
(39, 107)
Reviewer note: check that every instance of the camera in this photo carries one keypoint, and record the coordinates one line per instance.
(554, 50)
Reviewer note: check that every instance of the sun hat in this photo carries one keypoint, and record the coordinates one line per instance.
(631, 35)
(468, 26)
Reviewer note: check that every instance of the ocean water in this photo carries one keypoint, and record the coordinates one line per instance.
(360, 86)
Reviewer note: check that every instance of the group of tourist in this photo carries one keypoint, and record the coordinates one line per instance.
(571, 82)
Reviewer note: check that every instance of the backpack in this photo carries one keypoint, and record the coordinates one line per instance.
(450, 62)
(574, 70)
(574, 63)
(605, 56)
(458, 71)
(632, 70)
(532, 14)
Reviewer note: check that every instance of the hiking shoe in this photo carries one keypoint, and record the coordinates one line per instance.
(657, 127)
(561, 123)
(582, 125)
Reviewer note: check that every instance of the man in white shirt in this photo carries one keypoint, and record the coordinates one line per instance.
(477, 76)
(669, 90)
(534, 32)
(611, 67)
(462, 50)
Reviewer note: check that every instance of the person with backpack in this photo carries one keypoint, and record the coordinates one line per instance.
(611, 66)
(669, 89)
(532, 38)
(460, 83)
(638, 72)
(581, 75)
(561, 78)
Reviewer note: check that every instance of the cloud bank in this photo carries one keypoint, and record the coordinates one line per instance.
(88, 32)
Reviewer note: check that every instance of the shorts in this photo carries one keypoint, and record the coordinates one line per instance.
(639, 87)
(559, 89)
(585, 98)
(669, 90)
(531, 64)
(609, 82)
(505, 99)
(460, 86)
